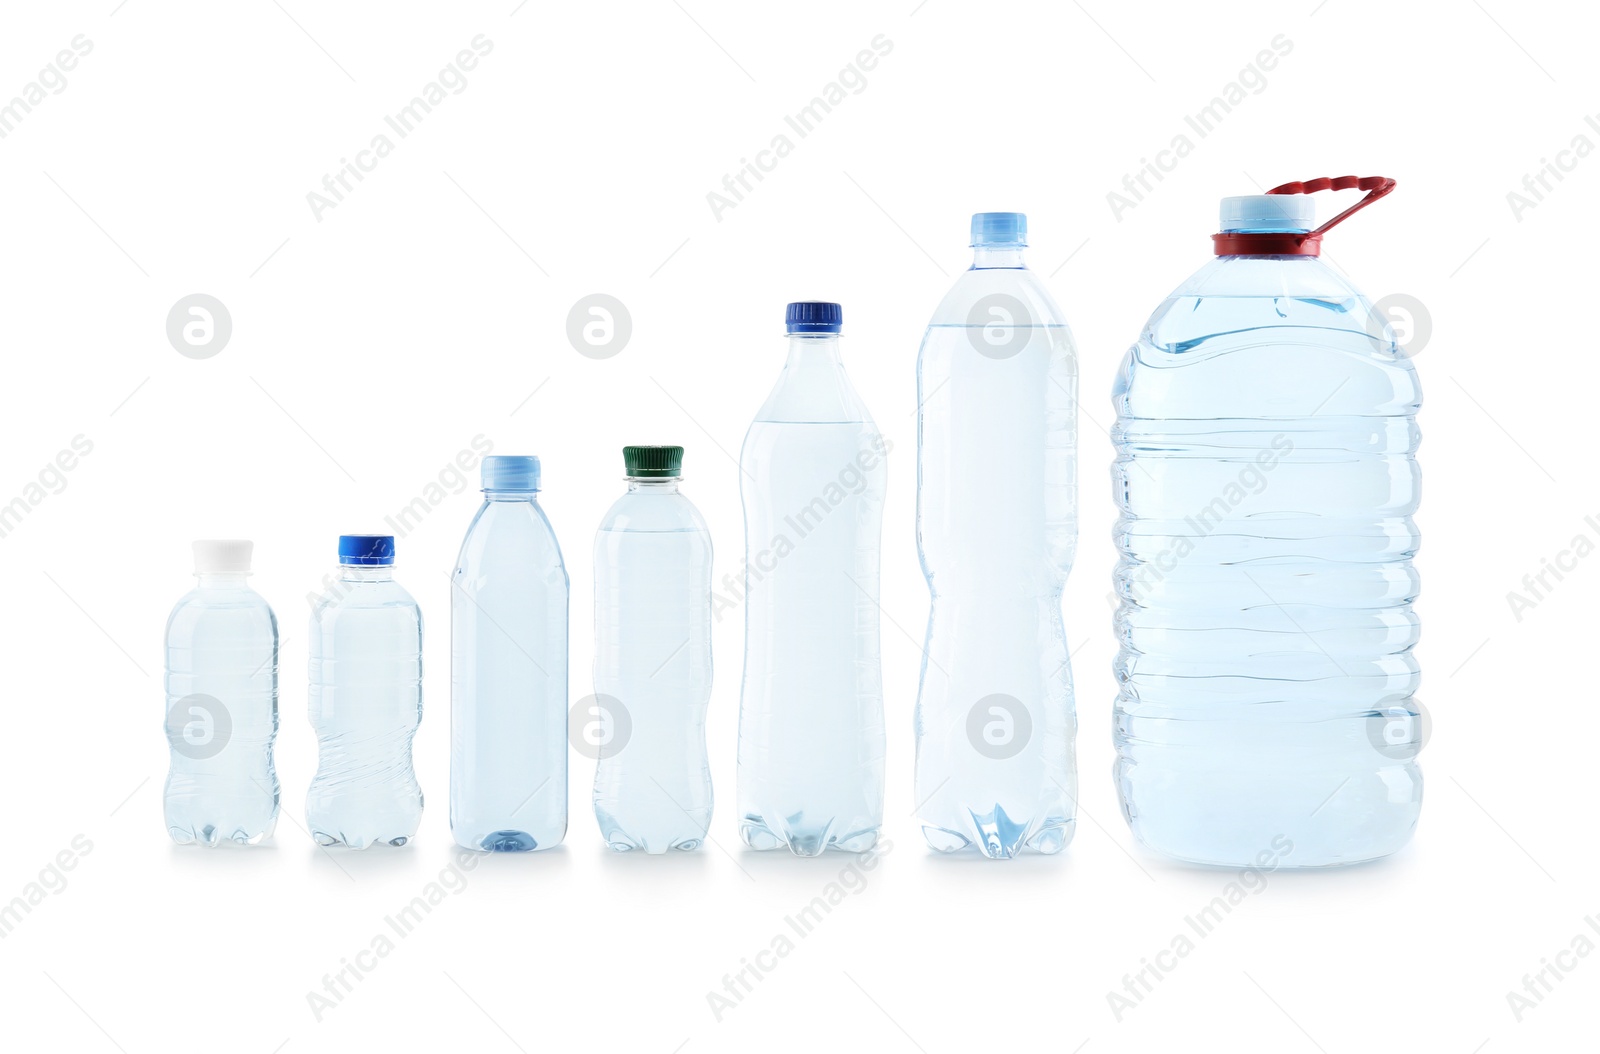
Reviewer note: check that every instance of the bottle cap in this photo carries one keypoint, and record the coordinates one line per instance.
(227, 556)
(366, 549)
(511, 472)
(999, 230)
(813, 316)
(1268, 213)
(653, 462)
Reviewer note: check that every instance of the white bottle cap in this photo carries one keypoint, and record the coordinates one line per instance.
(1268, 212)
(230, 556)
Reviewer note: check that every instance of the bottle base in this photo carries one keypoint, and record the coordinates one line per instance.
(212, 836)
(807, 841)
(506, 842)
(358, 842)
(1298, 820)
(996, 836)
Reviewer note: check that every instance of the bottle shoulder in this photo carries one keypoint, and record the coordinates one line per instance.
(510, 530)
(820, 393)
(1270, 335)
(641, 511)
(984, 295)
(345, 596)
(232, 603)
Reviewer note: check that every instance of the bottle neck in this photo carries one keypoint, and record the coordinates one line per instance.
(510, 495)
(813, 349)
(215, 580)
(987, 257)
(653, 484)
(366, 572)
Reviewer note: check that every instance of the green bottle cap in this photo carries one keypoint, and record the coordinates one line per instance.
(653, 461)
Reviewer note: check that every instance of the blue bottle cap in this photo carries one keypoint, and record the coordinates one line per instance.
(999, 230)
(511, 472)
(813, 316)
(1268, 213)
(366, 549)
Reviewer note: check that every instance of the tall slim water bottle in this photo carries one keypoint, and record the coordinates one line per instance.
(1266, 475)
(652, 661)
(222, 704)
(508, 670)
(997, 526)
(366, 701)
(812, 477)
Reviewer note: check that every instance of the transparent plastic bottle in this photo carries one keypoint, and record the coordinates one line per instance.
(997, 527)
(366, 701)
(222, 704)
(652, 660)
(508, 670)
(813, 476)
(1266, 475)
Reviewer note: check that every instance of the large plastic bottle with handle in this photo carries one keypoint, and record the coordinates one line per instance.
(1266, 474)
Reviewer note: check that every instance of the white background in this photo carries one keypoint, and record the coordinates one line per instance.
(371, 345)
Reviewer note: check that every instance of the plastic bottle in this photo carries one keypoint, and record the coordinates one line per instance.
(997, 527)
(812, 477)
(1266, 477)
(508, 670)
(652, 660)
(366, 701)
(222, 704)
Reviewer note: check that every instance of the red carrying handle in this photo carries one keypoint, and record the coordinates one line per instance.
(1302, 243)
